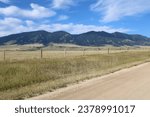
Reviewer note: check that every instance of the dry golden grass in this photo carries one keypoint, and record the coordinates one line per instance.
(29, 77)
(23, 55)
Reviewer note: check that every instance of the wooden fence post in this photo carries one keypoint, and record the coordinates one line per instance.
(4, 55)
(83, 52)
(108, 50)
(41, 53)
(65, 52)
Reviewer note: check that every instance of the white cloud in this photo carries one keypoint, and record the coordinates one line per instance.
(37, 11)
(10, 21)
(61, 4)
(14, 25)
(5, 1)
(29, 23)
(63, 17)
(10, 25)
(114, 10)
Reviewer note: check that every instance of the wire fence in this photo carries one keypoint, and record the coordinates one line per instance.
(43, 53)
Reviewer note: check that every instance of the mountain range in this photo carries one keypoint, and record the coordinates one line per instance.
(91, 38)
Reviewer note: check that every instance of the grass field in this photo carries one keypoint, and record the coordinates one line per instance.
(27, 77)
(23, 53)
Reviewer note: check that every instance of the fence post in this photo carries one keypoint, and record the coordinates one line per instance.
(98, 50)
(65, 52)
(83, 52)
(4, 55)
(108, 50)
(41, 53)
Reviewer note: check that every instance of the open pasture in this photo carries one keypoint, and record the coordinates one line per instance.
(24, 77)
(20, 54)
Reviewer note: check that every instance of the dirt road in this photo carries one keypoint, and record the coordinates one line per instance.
(131, 83)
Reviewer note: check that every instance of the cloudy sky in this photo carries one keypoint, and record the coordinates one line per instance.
(75, 16)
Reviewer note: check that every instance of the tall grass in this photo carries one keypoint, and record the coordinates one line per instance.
(26, 78)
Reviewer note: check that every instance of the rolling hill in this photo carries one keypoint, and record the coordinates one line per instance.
(91, 38)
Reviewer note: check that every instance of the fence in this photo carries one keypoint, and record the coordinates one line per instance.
(42, 53)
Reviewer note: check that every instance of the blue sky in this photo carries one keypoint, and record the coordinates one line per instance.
(75, 16)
